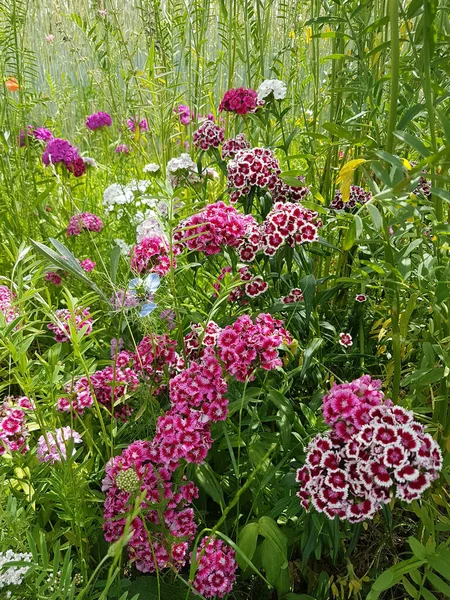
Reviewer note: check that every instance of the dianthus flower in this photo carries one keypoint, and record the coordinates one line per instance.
(281, 192)
(151, 255)
(200, 338)
(156, 355)
(185, 114)
(208, 135)
(213, 228)
(289, 224)
(97, 120)
(246, 345)
(345, 340)
(123, 149)
(295, 295)
(256, 167)
(121, 379)
(182, 437)
(45, 135)
(200, 386)
(59, 151)
(77, 167)
(54, 278)
(87, 265)
(161, 533)
(424, 185)
(137, 123)
(240, 101)
(232, 146)
(81, 321)
(256, 286)
(182, 170)
(216, 568)
(274, 87)
(6, 306)
(374, 452)
(360, 298)
(357, 196)
(53, 446)
(13, 428)
(84, 221)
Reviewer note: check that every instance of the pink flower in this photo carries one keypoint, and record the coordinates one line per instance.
(295, 295)
(345, 339)
(53, 446)
(208, 135)
(240, 100)
(123, 148)
(84, 221)
(357, 196)
(98, 120)
(7, 297)
(13, 428)
(232, 146)
(81, 320)
(137, 123)
(185, 114)
(360, 297)
(151, 255)
(216, 568)
(87, 265)
(290, 224)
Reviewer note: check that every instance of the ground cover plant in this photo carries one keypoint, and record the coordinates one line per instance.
(224, 314)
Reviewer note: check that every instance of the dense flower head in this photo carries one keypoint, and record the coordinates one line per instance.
(6, 304)
(185, 114)
(208, 135)
(165, 508)
(52, 447)
(14, 574)
(151, 255)
(182, 170)
(256, 286)
(282, 192)
(43, 134)
(59, 151)
(122, 149)
(136, 123)
(200, 338)
(182, 437)
(155, 356)
(87, 265)
(240, 101)
(213, 228)
(201, 386)
(255, 167)
(81, 320)
(358, 195)
(216, 568)
(289, 224)
(295, 295)
(84, 222)
(423, 187)
(97, 120)
(77, 167)
(374, 452)
(121, 379)
(246, 346)
(232, 146)
(274, 87)
(13, 427)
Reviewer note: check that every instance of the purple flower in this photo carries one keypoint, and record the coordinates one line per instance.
(185, 114)
(78, 223)
(59, 151)
(123, 148)
(133, 123)
(43, 134)
(97, 120)
(53, 446)
(87, 265)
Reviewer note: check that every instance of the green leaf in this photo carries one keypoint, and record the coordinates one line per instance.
(417, 548)
(392, 576)
(247, 541)
(208, 481)
(269, 529)
(353, 232)
(441, 563)
(413, 141)
(114, 263)
(308, 287)
(375, 215)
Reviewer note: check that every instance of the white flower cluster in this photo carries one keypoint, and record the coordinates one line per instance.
(182, 169)
(151, 168)
(124, 247)
(13, 575)
(150, 226)
(90, 162)
(132, 195)
(272, 86)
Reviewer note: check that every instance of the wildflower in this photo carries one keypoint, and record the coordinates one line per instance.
(256, 287)
(89, 162)
(289, 224)
(360, 297)
(155, 356)
(295, 295)
(213, 228)
(13, 575)
(256, 167)
(246, 345)
(59, 151)
(84, 222)
(98, 120)
(87, 265)
(208, 135)
(77, 167)
(149, 227)
(13, 428)
(232, 146)
(123, 149)
(240, 100)
(135, 123)
(54, 278)
(345, 339)
(281, 192)
(272, 86)
(53, 446)
(11, 84)
(184, 113)
(181, 170)
(216, 568)
(357, 196)
(43, 134)
(200, 338)
(151, 168)
(125, 248)
(81, 320)
(151, 255)
(6, 304)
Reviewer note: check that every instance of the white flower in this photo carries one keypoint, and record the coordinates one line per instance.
(136, 185)
(116, 194)
(151, 168)
(150, 226)
(183, 162)
(124, 247)
(13, 575)
(90, 162)
(272, 86)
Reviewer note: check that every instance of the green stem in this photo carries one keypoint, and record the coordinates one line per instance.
(395, 68)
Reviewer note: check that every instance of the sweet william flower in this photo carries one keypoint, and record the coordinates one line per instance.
(98, 120)
(345, 339)
(272, 86)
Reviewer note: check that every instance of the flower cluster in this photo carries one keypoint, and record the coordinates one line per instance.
(6, 307)
(375, 451)
(184, 113)
(13, 429)
(98, 120)
(295, 295)
(214, 227)
(155, 355)
(123, 149)
(256, 286)
(232, 146)
(84, 222)
(81, 320)
(240, 101)
(208, 135)
(109, 386)
(289, 224)
(181, 170)
(200, 338)
(161, 533)
(151, 168)
(137, 123)
(249, 168)
(246, 346)
(201, 386)
(87, 265)
(52, 447)
(54, 278)
(216, 570)
(358, 195)
(273, 87)
(62, 151)
(151, 255)
(281, 192)
(13, 575)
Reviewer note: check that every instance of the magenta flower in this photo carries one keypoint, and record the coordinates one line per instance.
(84, 222)
(54, 278)
(13, 428)
(43, 134)
(59, 151)
(360, 297)
(53, 446)
(98, 120)
(346, 340)
(81, 320)
(123, 148)
(240, 101)
(87, 265)
(216, 571)
(232, 146)
(185, 114)
(151, 255)
(208, 135)
(135, 123)
(289, 224)
(6, 304)
(295, 295)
